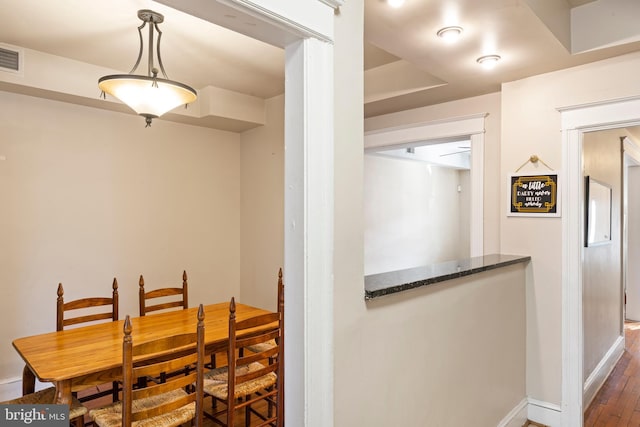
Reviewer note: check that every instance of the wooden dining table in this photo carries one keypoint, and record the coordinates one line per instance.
(75, 359)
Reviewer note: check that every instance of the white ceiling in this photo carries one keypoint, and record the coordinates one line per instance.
(531, 36)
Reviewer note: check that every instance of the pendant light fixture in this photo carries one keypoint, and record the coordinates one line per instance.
(148, 95)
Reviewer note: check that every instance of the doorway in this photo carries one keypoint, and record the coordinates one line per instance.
(602, 266)
(631, 226)
(576, 121)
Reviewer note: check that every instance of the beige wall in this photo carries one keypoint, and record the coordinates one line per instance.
(531, 125)
(602, 264)
(449, 354)
(262, 208)
(87, 195)
(349, 316)
(405, 359)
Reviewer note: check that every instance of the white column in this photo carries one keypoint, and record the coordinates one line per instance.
(308, 227)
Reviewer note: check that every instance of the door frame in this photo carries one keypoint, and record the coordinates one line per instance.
(575, 121)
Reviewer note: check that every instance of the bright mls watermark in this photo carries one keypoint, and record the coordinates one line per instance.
(34, 415)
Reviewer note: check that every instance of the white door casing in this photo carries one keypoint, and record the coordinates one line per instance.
(575, 120)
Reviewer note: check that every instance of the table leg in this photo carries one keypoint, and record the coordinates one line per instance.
(28, 381)
(63, 392)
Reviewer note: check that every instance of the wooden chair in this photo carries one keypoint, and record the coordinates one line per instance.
(172, 403)
(161, 303)
(48, 396)
(85, 311)
(257, 348)
(262, 347)
(160, 296)
(251, 381)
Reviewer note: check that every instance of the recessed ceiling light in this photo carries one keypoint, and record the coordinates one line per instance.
(449, 34)
(488, 61)
(395, 3)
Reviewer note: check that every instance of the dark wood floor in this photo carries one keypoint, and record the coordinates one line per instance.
(617, 403)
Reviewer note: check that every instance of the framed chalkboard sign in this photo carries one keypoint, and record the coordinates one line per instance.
(534, 195)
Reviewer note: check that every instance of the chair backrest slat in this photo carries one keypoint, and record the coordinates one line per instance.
(86, 310)
(260, 320)
(87, 319)
(146, 298)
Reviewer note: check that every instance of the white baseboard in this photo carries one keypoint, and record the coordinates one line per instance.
(602, 371)
(10, 388)
(551, 415)
(517, 416)
(544, 413)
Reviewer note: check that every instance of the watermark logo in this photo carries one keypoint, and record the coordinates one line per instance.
(34, 415)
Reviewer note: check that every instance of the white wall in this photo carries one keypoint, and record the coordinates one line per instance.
(412, 214)
(262, 208)
(530, 125)
(87, 195)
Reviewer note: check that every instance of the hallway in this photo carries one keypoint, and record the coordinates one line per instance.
(618, 401)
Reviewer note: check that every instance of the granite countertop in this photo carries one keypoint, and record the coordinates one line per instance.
(377, 285)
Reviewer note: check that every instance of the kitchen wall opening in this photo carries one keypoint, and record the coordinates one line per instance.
(417, 204)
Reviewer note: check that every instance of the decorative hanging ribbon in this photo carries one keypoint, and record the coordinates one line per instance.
(533, 159)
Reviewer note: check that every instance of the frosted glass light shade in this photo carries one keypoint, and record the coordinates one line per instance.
(149, 97)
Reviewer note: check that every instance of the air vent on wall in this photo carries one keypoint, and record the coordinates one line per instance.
(10, 60)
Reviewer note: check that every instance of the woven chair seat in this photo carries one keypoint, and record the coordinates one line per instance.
(263, 346)
(215, 381)
(111, 415)
(46, 396)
